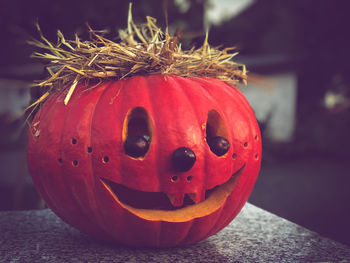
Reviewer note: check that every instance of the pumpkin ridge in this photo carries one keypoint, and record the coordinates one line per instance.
(185, 90)
(74, 220)
(186, 234)
(152, 115)
(73, 194)
(82, 195)
(198, 221)
(89, 141)
(203, 82)
(140, 86)
(196, 84)
(248, 111)
(53, 112)
(41, 115)
(245, 183)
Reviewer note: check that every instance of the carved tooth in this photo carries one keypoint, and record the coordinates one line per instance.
(176, 200)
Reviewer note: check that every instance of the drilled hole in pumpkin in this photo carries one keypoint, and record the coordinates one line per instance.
(75, 163)
(189, 178)
(137, 132)
(89, 149)
(245, 144)
(60, 160)
(174, 178)
(256, 157)
(105, 159)
(216, 134)
(234, 156)
(256, 137)
(74, 141)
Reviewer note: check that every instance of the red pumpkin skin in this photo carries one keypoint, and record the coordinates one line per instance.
(68, 145)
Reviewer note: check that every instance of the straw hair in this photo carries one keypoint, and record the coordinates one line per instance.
(142, 50)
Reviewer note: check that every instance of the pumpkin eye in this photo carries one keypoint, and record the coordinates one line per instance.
(219, 145)
(216, 134)
(137, 133)
(136, 146)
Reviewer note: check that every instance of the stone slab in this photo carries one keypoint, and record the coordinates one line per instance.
(254, 236)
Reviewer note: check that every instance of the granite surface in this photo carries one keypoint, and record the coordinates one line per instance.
(254, 236)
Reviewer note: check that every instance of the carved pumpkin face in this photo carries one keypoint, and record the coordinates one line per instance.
(147, 161)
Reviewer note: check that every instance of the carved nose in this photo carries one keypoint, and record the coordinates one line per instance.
(183, 159)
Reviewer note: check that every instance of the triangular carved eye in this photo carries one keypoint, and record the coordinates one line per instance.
(216, 134)
(137, 133)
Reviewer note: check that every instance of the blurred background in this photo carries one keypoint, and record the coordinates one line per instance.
(297, 53)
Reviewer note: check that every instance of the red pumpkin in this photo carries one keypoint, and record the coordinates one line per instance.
(147, 161)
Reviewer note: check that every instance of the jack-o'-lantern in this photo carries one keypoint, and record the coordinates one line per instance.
(149, 160)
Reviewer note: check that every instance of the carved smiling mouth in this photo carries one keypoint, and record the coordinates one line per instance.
(144, 200)
(150, 200)
(157, 205)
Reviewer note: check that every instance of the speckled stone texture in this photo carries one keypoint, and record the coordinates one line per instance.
(254, 236)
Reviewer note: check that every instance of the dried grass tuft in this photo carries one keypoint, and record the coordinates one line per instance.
(142, 50)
